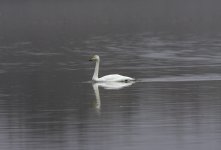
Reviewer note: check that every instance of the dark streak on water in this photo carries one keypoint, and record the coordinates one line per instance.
(48, 102)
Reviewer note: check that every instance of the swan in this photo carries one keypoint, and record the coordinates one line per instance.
(107, 78)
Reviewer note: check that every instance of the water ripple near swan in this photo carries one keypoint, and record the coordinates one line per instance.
(184, 78)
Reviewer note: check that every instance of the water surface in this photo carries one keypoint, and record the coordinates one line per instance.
(48, 102)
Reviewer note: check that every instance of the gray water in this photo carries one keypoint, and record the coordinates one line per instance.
(47, 100)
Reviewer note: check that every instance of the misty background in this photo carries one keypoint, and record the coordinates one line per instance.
(58, 20)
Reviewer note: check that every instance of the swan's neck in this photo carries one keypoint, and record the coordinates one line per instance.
(96, 70)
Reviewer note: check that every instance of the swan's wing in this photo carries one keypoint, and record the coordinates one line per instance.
(115, 77)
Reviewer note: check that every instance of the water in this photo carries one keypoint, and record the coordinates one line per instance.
(47, 100)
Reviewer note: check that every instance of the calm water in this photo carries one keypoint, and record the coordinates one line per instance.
(48, 102)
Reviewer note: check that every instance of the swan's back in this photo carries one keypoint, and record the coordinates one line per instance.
(115, 78)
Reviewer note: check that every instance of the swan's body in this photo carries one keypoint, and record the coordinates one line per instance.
(107, 78)
(113, 78)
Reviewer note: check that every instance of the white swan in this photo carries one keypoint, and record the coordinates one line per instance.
(107, 78)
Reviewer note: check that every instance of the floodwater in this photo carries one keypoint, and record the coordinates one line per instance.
(47, 100)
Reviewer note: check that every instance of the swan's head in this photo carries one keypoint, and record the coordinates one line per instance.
(95, 58)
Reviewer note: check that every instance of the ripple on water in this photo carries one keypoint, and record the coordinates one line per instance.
(2, 71)
(184, 78)
(42, 53)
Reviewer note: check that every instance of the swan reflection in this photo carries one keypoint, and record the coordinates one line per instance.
(108, 86)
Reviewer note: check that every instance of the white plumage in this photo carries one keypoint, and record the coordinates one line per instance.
(107, 78)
